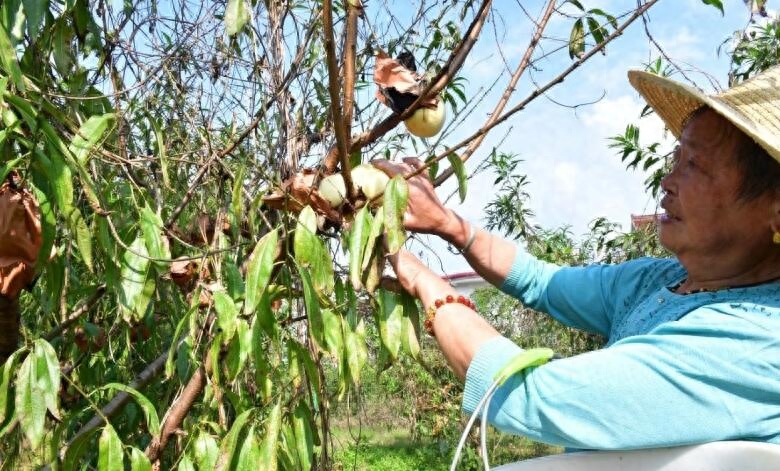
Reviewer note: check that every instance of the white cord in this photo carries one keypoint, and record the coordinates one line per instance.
(483, 434)
(488, 395)
(525, 359)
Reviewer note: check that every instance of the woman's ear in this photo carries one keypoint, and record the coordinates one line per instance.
(775, 218)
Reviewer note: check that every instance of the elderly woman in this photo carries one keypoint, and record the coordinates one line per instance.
(693, 352)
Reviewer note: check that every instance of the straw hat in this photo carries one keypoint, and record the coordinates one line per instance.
(753, 106)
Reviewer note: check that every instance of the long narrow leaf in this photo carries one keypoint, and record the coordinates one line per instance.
(259, 271)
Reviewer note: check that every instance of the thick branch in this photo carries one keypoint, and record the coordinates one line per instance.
(342, 140)
(350, 52)
(178, 411)
(535, 94)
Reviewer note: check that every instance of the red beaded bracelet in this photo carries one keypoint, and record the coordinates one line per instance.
(430, 313)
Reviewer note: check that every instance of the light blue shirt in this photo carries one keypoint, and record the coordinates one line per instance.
(677, 369)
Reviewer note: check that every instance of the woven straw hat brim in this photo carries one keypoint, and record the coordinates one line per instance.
(753, 106)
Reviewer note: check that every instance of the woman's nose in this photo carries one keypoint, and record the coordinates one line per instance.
(667, 182)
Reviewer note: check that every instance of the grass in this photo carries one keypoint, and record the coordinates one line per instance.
(382, 449)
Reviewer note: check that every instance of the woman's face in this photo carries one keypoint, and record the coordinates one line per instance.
(704, 216)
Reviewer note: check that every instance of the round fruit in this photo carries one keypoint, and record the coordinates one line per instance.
(332, 188)
(370, 180)
(426, 122)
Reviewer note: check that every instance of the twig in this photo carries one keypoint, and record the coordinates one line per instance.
(232, 146)
(75, 315)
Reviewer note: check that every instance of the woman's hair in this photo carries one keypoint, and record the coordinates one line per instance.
(760, 171)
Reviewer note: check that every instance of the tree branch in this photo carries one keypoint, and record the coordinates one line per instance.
(451, 67)
(535, 94)
(342, 139)
(75, 315)
(118, 402)
(510, 88)
(178, 411)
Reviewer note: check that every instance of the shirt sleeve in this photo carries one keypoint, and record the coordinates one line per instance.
(587, 297)
(713, 375)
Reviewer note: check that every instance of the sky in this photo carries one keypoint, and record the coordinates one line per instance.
(574, 176)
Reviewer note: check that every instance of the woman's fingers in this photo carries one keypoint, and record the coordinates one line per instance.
(390, 168)
(413, 162)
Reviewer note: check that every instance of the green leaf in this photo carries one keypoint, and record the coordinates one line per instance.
(185, 465)
(311, 252)
(152, 420)
(7, 371)
(6, 168)
(37, 385)
(88, 135)
(205, 451)
(161, 151)
(79, 229)
(268, 453)
(227, 314)
(312, 304)
(152, 229)
(259, 270)
(238, 350)
(377, 228)
(110, 457)
(234, 282)
(396, 200)
(357, 354)
(358, 237)
(577, 40)
(139, 461)
(237, 200)
(715, 3)
(460, 173)
(334, 333)
(410, 330)
(137, 287)
(8, 60)
(249, 454)
(229, 448)
(237, 14)
(73, 455)
(184, 321)
(389, 319)
(595, 30)
(304, 440)
(59, 178)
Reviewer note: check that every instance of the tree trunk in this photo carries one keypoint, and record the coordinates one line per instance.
(9, 326)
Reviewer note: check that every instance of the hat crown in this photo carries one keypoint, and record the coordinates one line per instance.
(753, 106)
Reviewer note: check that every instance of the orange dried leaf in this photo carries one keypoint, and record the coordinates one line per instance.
(20, 238)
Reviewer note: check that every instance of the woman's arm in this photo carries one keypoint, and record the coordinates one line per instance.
(489, 255)
(458, 329)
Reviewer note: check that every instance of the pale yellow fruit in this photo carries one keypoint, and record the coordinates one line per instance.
(370, 180)
(427, 122)
(365, 177)
(332, 188)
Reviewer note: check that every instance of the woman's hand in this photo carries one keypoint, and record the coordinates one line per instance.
(425, 213)
(407, 269)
